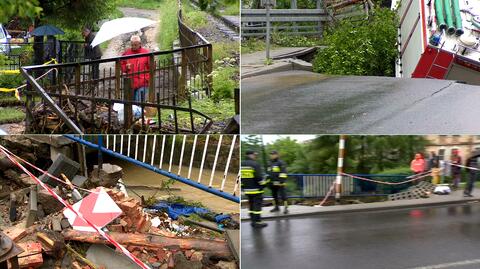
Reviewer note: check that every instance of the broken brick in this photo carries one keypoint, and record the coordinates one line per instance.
(15, 233)
(32, 257)
(115, 228)
(152, 260)
(161, 254)
(128, 206)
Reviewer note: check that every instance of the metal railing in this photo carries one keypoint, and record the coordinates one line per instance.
(284, 21)
(318, 185)
(206, 162)
(22, 54)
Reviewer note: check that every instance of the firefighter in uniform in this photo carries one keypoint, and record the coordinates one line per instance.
(252, 185)
(277, 174)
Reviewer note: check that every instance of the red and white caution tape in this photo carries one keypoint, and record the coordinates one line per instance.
(48, 174)
(464, 166)
(327, 195)
(66, 204)
(389, 183)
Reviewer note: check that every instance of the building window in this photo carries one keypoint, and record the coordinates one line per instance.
(441, 154)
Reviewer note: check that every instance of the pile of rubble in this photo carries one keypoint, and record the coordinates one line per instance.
(45, 237)
(422, 190)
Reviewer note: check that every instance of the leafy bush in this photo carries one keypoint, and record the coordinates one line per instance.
(11, 80)
(365, 48)
(196, 19)
(224, 82)
(204, 4)
(294, 41)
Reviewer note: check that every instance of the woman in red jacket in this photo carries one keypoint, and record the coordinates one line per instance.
(418, 164)
(137, 69)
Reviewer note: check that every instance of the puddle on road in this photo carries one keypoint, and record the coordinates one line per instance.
(134, 175)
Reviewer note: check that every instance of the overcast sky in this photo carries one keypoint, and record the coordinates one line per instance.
(268, 139)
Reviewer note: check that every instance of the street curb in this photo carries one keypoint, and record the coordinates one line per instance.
(375, 209)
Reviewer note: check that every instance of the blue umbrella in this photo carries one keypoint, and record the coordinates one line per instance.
(47, 30)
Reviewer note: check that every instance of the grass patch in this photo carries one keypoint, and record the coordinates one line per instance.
(251, 45)
(143, 4)
(168, 26)
(223, 50)
(10, 114)
(230, 9)
(193, 17)
(218, 111)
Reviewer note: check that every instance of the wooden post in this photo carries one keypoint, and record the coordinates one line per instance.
(29, 119)
(77, 79)
(237, 100)
(118, 73)
(183, 76)
(127, 108)
(209, 53)
(151, 82)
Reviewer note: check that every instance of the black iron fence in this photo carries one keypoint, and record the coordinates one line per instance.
(15, 55)
(101, 96)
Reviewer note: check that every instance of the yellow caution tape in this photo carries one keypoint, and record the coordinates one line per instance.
(7, 90)
(10, 72)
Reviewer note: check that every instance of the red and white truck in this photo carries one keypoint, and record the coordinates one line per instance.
(439, 39)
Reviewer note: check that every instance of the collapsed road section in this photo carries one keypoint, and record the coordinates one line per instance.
(66, 205)
(327, 104)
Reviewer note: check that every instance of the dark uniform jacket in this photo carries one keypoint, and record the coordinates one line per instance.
(92, 53)
(252, 178)
(277, 172)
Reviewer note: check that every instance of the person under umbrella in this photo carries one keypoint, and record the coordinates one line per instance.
(92, 53)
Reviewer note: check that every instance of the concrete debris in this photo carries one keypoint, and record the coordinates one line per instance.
(108, 176)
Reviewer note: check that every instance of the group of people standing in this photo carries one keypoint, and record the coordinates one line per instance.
(254, 183)
(419, 165)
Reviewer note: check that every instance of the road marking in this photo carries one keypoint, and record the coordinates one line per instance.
(449, 265)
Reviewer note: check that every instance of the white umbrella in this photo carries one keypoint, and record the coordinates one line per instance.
(113, 28)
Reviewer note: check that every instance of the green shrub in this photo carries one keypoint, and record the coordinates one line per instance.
(11, 80)
(204, 4)
(365, 48)
(224, 82)
(196, 19)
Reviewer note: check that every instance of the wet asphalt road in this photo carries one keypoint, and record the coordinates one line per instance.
(448, 237)
(297, 102)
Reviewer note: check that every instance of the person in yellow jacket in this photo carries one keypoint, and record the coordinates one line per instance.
(277, 174)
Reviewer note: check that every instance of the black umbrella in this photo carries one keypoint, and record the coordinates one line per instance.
(47, 30)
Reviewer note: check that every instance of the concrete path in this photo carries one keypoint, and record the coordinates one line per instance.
(422, 238)
(302, 211)
(254, 63)
(320, 104)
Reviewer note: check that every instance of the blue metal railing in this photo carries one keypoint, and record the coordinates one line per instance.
(99, 146)
(317, 185)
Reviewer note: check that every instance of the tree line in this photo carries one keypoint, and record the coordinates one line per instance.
(364, 154)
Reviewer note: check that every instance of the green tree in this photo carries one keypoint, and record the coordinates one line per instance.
(24, 9)
(360, 48)
(287, 149)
